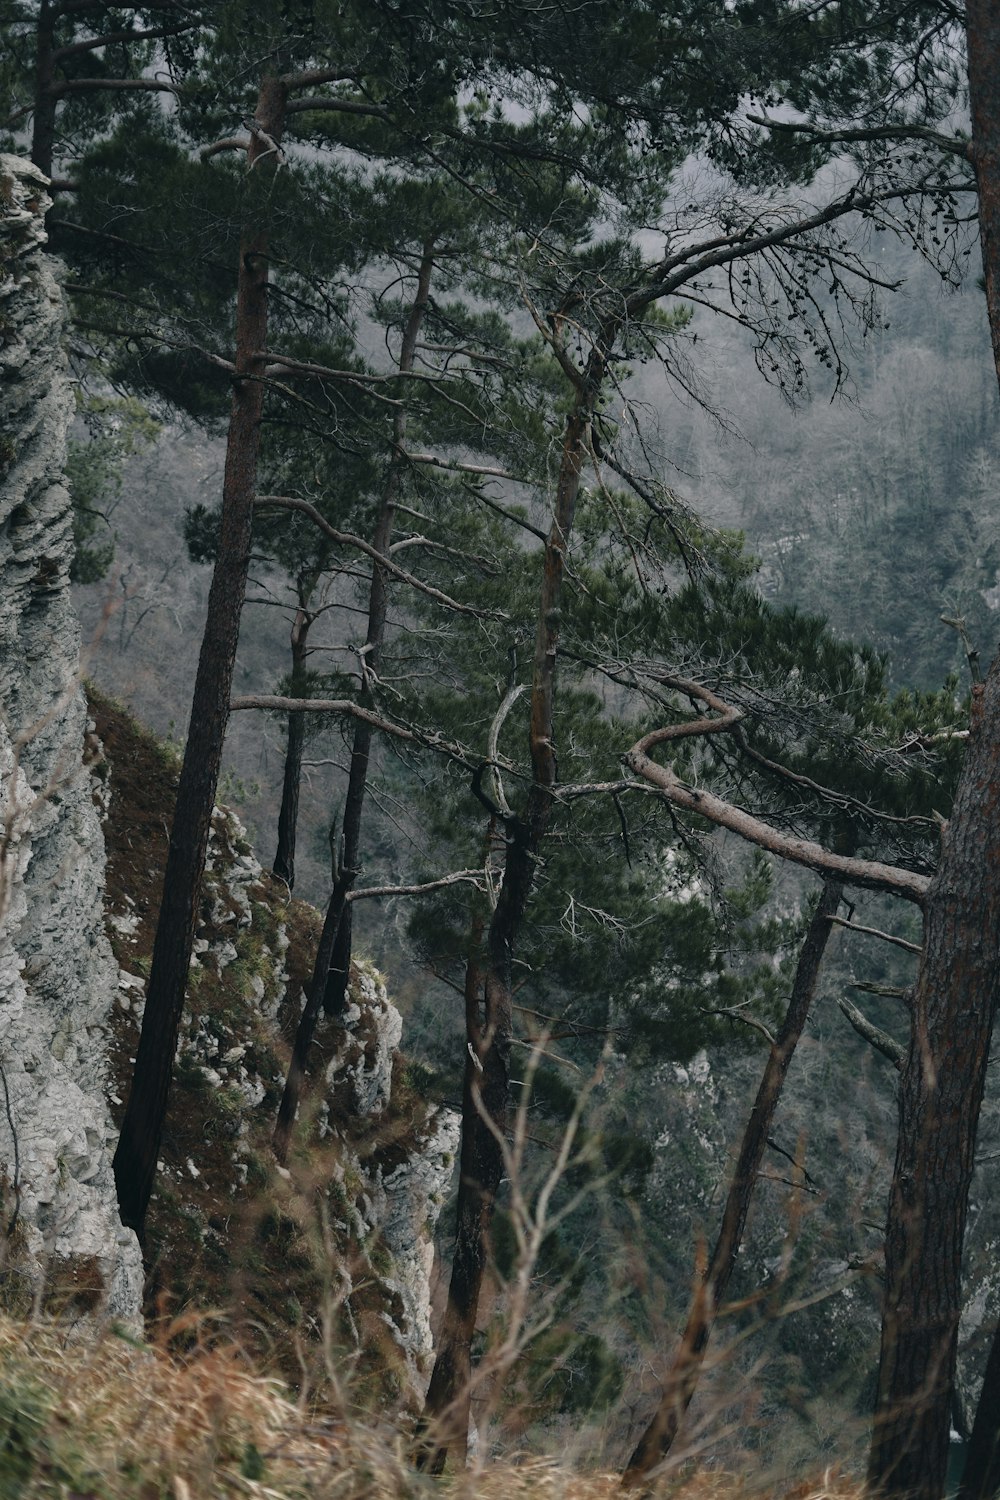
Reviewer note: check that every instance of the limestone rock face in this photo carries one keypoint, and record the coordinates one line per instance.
(57, 974)
(407, 1203)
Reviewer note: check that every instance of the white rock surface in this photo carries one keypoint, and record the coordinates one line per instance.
(58, 978)
(407, 1209)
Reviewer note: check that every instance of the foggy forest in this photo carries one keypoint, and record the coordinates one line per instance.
(499, 748)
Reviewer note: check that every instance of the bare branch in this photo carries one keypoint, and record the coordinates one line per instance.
(310, 77)
(331, 104)
(470, 877)
(694, 260)
(457, 468)
(883, 991)
(110, 38)
(841, 799)
(510, 698)
(111, 85)
(887, 937)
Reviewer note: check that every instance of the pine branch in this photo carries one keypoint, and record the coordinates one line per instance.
(110, 85)
(951, 145)
(347, 539)
(871, 874)
(408, 734)
(111, 38)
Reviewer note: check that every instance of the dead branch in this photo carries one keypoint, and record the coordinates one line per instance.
(874, 1035)
(427, 739)
(456, 468)
(883, 991)
(469, 877)
(492, 744)
(112, 38)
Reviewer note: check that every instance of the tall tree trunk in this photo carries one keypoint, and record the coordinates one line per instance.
(954, 1010)
(444, 1425)
(983, 42)
(484, 1116)
(43, 125)
(288, 816)
(682, 1378)
(981, 1478)
(139, 1144)
(329, 984)
(941, 1090)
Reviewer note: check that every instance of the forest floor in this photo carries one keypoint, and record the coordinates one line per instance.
(92, 1414)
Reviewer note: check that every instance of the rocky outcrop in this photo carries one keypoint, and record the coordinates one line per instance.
(371, 1163)
(57, 974)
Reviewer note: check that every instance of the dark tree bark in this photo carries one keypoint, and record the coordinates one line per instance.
(288, 816)
(981, 1478)
(333, 961)
(142, 1127)
(956, 1001)
(288, 1108)
(684, 1373)
(941, 1090)
(983, 41)
(445, 1419)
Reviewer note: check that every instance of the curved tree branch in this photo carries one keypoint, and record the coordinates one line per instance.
(871, 874)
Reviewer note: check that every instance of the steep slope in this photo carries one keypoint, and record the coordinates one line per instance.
(323, 1268)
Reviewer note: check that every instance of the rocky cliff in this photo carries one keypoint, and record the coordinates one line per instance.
(57, 973)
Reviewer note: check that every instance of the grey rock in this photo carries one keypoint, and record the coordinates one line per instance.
(58, 978)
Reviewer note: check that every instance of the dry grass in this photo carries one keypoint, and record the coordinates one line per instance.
(91, 1415)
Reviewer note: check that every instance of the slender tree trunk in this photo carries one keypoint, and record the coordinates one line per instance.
(43, 125)
(941, 1090)
(981, 1477)
(138, 1147)
(682, 1378)
(444, 1426)
(330, 978)
(983, 42)
(955, 1006)
(338, 978)
(288, 1109)
(284, 859)
(446, 1408)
